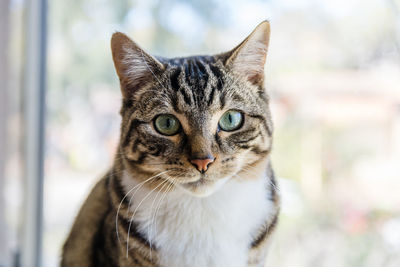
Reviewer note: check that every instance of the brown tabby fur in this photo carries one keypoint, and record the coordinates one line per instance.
(196, 90)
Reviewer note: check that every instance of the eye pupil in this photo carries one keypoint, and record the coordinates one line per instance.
(231, 120)
(167, 124)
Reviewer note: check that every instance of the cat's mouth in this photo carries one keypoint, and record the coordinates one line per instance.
(203, 187)
(199, 182)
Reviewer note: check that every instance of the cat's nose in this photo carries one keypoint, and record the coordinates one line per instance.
(202, 164)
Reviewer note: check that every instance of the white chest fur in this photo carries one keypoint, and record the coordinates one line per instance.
(215, 231)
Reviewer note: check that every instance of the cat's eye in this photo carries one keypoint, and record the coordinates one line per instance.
(231, 121)
(167, 124)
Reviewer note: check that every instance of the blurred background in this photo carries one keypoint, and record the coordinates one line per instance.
(333, 73)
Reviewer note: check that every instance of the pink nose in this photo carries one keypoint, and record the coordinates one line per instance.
(202, 164)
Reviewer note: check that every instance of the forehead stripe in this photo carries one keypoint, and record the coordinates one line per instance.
(211, 97)
(218, 75)
(175, 79)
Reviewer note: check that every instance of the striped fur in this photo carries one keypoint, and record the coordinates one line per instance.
(154, 208)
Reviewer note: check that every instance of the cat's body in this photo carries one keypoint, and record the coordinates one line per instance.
(154, 208)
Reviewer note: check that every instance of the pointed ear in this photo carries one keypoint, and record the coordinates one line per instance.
(134, 66)
(248, 58)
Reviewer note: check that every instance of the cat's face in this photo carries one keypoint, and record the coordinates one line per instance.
(195, 121)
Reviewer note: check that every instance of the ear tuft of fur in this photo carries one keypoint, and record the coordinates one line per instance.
(248, 58)
(133, 65)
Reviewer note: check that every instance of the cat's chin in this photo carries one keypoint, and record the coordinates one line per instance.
(202, 187)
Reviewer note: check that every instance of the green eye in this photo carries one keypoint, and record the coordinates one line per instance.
(231, 120)
(167, 124)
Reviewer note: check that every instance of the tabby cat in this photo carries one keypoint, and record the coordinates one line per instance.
(192, 183)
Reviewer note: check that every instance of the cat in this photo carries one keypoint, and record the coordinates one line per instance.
(191, 184)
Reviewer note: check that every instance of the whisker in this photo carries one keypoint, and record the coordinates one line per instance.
(133, 215)
(159, 174)
(159, 206)
(151, 221)
(120, 203)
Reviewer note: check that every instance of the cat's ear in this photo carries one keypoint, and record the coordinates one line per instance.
(248, 58)
(134, 66)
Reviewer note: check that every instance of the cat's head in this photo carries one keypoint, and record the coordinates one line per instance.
(195, 121)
